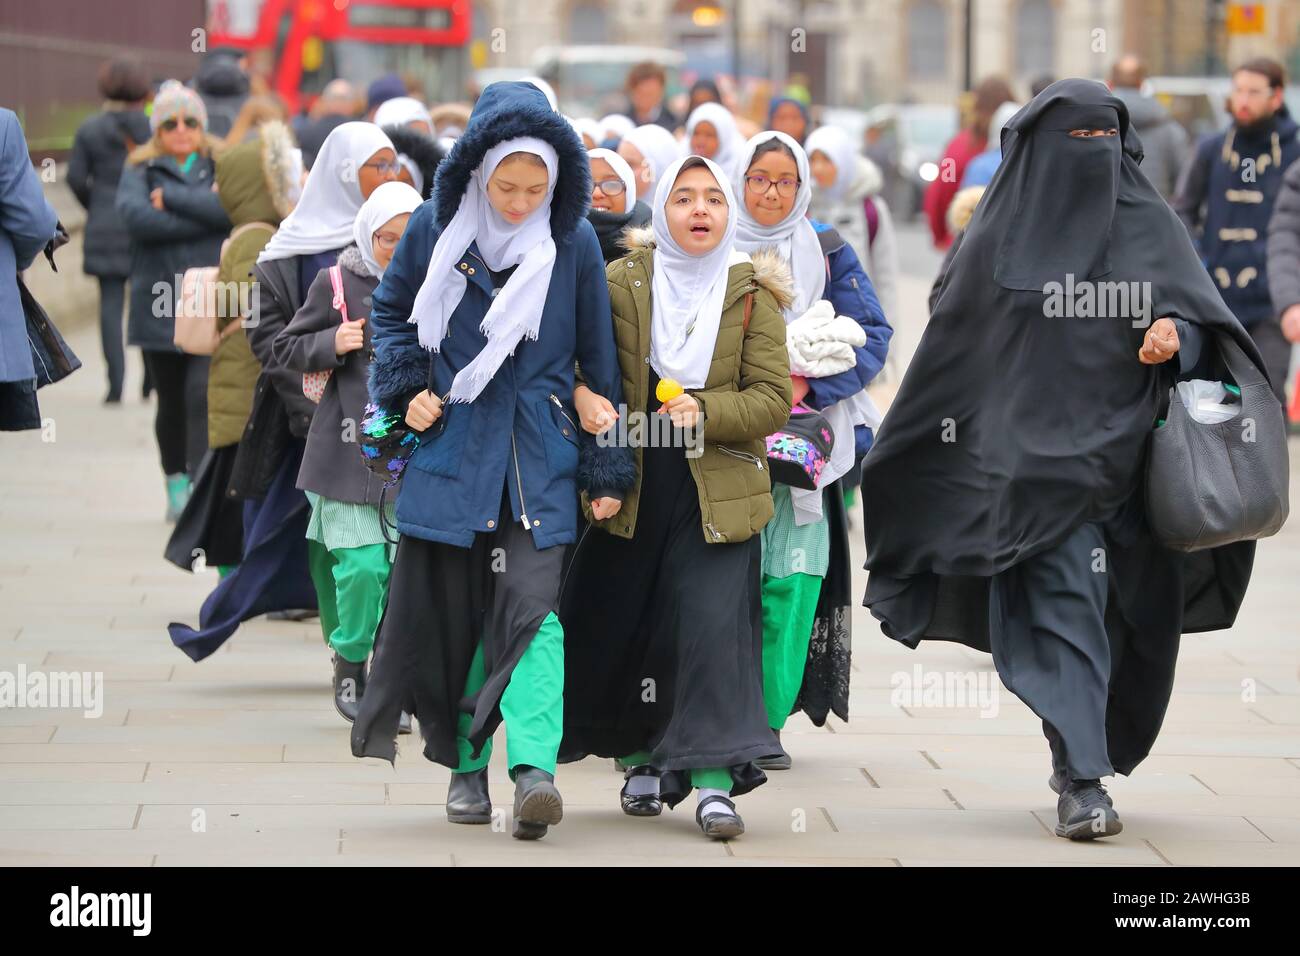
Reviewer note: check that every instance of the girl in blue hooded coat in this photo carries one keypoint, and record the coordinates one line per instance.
(496, 289)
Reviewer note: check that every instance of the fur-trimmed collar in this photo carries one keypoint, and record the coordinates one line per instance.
(771, 272)
(350, 259)
(506, 111)
(278, 165)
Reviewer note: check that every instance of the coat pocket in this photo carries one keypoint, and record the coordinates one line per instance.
(559, 437)
(442, 444)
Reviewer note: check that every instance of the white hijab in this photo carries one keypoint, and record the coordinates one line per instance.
(516, 310)
(686, 291)
(834, 143)
(660, 149)
(615, 126)
(401, 110)
(729, 143)
(331, 197)
(586, 126)
(622, 170)
(793, 238)
(389, 200)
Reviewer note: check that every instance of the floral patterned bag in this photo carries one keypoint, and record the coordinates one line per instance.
(798, 453)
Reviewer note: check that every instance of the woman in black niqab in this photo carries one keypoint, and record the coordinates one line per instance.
(1006, 479)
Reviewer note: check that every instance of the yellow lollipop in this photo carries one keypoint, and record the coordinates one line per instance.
(668, 389)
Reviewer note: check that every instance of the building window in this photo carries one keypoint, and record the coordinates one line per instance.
(927, 40)
(1035, 37)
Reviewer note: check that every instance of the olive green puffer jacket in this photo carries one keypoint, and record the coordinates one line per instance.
(746, 397)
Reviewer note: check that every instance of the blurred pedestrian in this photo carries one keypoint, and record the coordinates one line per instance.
(419, 155)
(614, 206)
(256, 111)
(702, 91)
(1165, 146)
(980, 170)
(175, 220)
(405, 111)
(711, 132)
(336, 105)
(1225, 198)
(99, 152)
(1284, 264)
(331, 333)
(790, 116)
(961, 149)
(649, 150)
(646, 86)
(390, 86)
(223, 84)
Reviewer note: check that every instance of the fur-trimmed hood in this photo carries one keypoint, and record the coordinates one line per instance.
(350, 259)
(505, 111)
(771, 272)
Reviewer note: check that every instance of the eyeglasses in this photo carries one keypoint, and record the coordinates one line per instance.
(387, 240)
(169, 125)
(385, 166)
(761, 184)
(612, 187)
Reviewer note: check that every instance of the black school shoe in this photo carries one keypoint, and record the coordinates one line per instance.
(719, 826)
(537, 803)
(467, 798)
(641, 804)
(1084, 812)
(349, 686)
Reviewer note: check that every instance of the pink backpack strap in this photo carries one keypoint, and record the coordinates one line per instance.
(336, 281)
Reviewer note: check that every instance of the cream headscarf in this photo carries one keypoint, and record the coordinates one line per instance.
(389, 200)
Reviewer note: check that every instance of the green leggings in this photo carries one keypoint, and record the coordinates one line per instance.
(532, 706)
(789, 608)
(357, 588)
(320, 565)
(704, 778)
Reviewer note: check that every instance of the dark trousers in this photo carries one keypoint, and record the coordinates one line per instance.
(1276, 351)
(181, 421)
(1048, 634)
(112, 299)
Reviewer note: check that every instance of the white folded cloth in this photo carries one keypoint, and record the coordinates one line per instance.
(820, 343)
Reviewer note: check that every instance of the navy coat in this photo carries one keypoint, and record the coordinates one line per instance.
(521, 434)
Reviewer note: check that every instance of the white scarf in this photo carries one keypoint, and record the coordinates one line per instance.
(833, 143)
(615, 126)
(686, 291)
(793, 238)
(389, 200)
(331, 197)
(724, 124)
(622, 170)
(658, 147)
(516, 310)
(401, 110)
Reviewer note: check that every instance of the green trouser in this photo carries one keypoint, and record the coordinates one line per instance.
(320, 565)
(361, 584)
(225, 570)
(532, 706)
(789, 608)
(702, 778)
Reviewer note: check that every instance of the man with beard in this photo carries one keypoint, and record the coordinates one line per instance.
(1226, 196)
(1006, 482)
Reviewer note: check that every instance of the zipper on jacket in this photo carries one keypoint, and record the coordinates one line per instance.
(717, 535)
(754, 459)
(523, 508)
(560, 406)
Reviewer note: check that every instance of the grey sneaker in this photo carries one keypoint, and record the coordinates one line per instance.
(1085, 812)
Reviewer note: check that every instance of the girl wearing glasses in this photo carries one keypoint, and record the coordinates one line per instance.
(175, 221)
(614, 206)
(344, 494)
(280, 569)
(839, 339)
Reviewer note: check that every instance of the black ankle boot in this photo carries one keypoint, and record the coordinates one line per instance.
(1084, 812)
(349, 685)
(467, 798)
(537, 803)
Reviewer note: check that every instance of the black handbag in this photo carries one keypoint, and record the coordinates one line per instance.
(53, 359)
(1211, 485)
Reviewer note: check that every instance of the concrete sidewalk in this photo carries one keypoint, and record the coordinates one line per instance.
(241, 759)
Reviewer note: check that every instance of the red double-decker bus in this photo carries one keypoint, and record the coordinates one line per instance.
(303, 44)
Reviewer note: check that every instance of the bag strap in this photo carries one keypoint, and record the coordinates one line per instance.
(340, 301)
(749, 307)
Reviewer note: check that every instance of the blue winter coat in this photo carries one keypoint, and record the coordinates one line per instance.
(521, 434)
(850, 291)
(27, 223)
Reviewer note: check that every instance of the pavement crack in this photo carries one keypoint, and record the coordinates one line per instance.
(827, 814)
(139, 810)
(870, 779)
(1152, 847)
(955, 802)
(1204, 784)
(930, 760)
(1261, 832)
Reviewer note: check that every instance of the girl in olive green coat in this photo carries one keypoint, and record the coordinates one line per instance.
(661, 612)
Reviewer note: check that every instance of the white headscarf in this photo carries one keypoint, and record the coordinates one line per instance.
(793, 238)
(622, 170)
(615, 126)
(834, 143)
(389, 200)
(586, 126)
(322, 220)
(401, 110)
(413, 170)
(658, 146)
(686, 291)
(729, 142)
(516, 311)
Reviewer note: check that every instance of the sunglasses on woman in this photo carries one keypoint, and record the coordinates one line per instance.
(169, 125)
(611, 187)
(759, 185)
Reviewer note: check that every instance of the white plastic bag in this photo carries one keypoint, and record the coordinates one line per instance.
(1208, 403)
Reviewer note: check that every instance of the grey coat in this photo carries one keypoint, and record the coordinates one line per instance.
(98, 157)
(1284, 243)
(331, 465)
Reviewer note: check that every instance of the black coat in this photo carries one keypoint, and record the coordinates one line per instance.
(332, 464)
(98, 155)
(166, 242)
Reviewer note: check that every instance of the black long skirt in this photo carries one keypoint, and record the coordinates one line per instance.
(663, 640)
